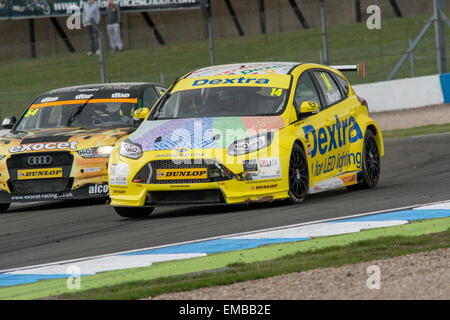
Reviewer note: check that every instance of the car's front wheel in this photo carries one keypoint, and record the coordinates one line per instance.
(134, 212)
(4, 207)
(298, 175)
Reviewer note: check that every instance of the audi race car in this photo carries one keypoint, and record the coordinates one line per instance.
(244, 133)
(60, 145)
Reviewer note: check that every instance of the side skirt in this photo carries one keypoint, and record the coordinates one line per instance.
(339, 181)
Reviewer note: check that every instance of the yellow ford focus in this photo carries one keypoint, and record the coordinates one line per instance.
(245, 133)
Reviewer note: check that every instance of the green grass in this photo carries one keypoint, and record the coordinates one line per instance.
(335, 256)
(219, 261)
(417, 131)
(23, 80)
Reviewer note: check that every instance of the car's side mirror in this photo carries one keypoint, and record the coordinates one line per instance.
(140, 114)
(309, 107)
(9, 122)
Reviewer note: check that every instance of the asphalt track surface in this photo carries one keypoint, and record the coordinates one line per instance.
(414, 171)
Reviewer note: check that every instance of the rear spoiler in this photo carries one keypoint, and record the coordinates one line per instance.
(360, 68)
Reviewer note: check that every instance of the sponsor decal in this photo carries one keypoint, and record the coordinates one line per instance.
(241, 80)
(83, 96)
(98, 189)
(88, 170)
(177, 174)
(251, 175)
(269, 168)
(250, 165)
(118, 174)
(46, 196)
(120, 95)
(44, 146)
(263, 187)
(338, 162)
(329, 184)
(89, 89)
(86, 152)
(332, 137)
(39, 173)
(49, 99)
(259, 169)
(117, 191)
(325, 138)
(348, 180)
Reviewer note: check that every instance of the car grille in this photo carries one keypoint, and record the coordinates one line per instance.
(215, 172)
(58, 159)
(41, 185)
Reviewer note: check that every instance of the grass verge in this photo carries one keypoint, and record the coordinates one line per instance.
(111, 279)
(417, 131)
(333, 256)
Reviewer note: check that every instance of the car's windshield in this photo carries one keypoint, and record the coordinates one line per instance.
(222, 102)
(92, 115)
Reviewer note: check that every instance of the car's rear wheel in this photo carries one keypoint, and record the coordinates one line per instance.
(134, 212)
(370, 163)
(298, 175)
(4, 207)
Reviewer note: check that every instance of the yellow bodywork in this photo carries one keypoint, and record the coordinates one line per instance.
(331, 140)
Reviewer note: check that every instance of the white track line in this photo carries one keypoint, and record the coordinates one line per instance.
(222, 236)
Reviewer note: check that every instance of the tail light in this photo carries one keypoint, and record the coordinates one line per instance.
(364, 103)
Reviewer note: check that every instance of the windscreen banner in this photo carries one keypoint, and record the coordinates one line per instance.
(26, 9)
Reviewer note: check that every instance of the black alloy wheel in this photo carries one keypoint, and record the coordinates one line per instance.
(371, 161)
(298, 175)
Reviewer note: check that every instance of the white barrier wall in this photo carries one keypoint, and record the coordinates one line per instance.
(404, 93)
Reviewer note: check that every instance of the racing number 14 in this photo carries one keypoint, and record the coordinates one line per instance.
(276, 92)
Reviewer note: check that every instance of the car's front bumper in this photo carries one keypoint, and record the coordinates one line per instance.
(240, 186)
(78, 178)
(85, 192)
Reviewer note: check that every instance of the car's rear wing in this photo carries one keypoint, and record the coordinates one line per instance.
(360, 68)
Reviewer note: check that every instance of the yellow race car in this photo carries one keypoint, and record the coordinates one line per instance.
(59, 147)
(245, 133)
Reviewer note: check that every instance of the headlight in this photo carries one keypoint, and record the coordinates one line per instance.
(251, 144)
(130, 150)
(100, 152)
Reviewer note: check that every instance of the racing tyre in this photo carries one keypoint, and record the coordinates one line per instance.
(298, 175)
(4, 207)
(370, 162)
(134, 212)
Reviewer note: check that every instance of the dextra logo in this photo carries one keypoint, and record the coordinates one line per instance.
(325, 138)
(241, 80)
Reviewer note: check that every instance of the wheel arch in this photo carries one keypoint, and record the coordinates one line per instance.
(302, 144)
(373, 127)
